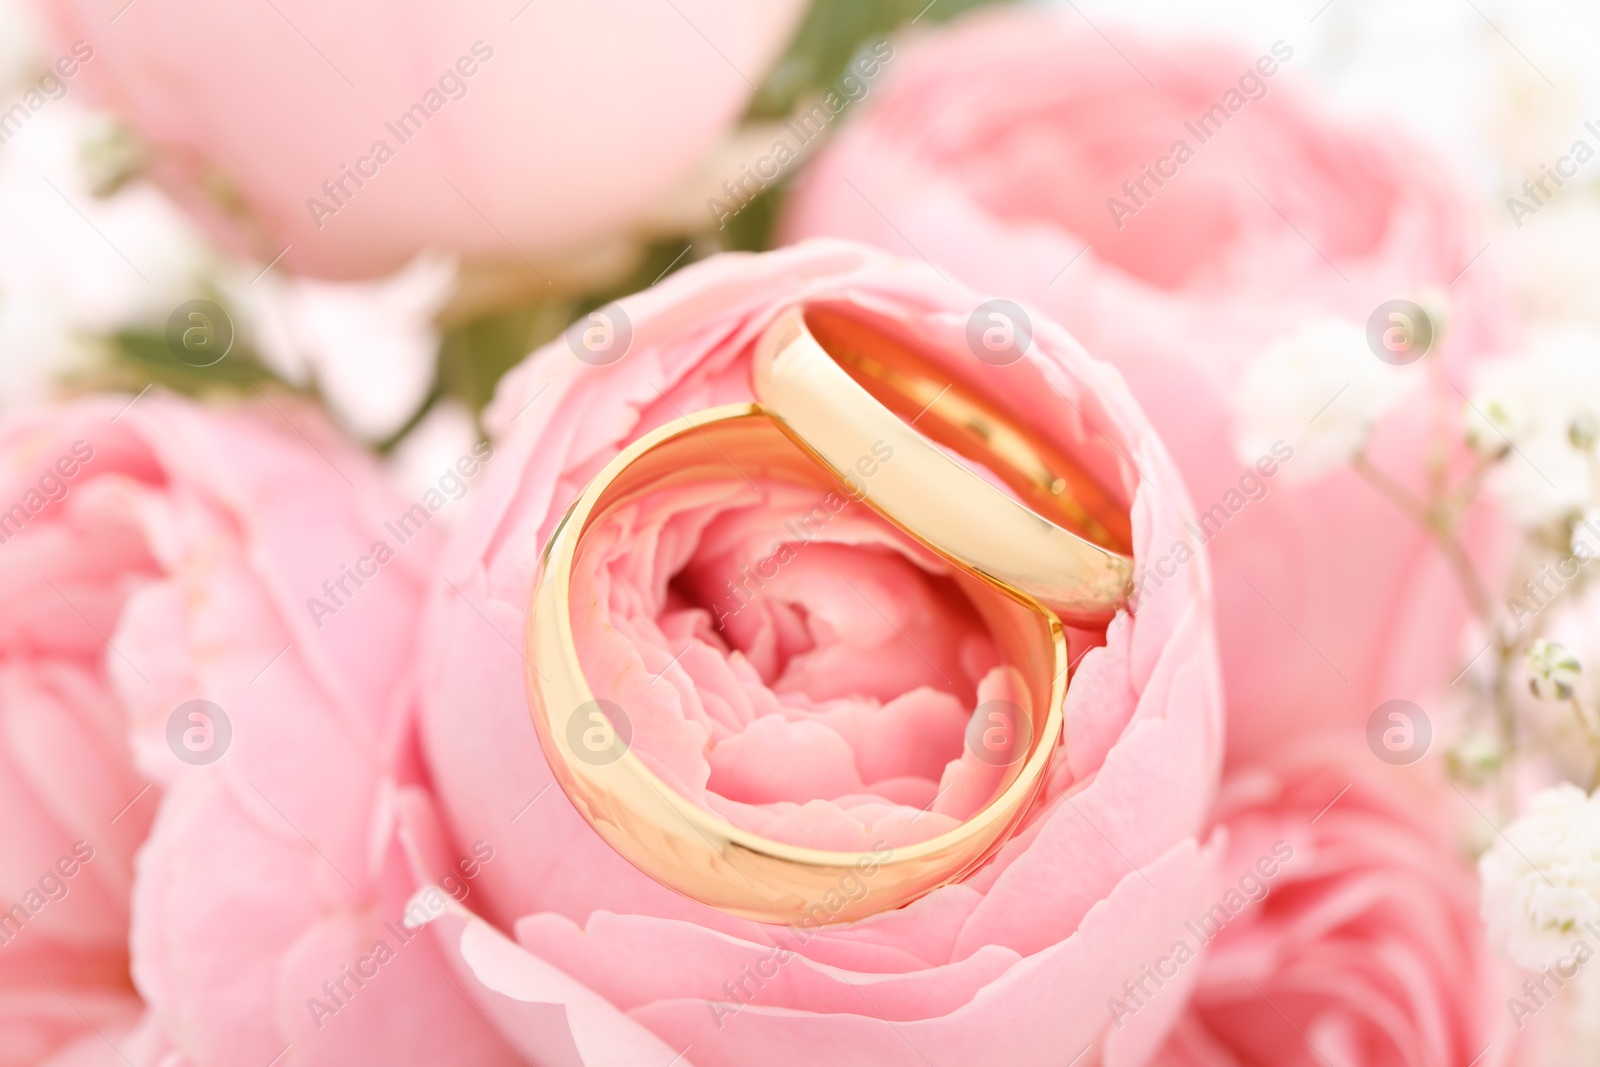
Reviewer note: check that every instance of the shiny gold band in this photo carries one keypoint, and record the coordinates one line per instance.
(688, 848)
(837, 385)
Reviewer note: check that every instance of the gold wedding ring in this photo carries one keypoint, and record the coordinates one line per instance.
(837, 385)
(681, 844)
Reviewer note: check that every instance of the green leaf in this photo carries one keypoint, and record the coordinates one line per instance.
(139, 358)
(831, 35)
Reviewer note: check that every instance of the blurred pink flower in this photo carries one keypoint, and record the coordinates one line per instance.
(809, 716)
(155, 554)
(356, 136)
(1364, 946)
(1027, 155)
(66, 771)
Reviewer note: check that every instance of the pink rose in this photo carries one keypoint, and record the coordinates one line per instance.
(168, 689)
(999, 147)
(356, 136)
(69, 825)
(811, 714)
(1347, 931)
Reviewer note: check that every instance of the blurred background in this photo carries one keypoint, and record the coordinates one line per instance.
(405, 347)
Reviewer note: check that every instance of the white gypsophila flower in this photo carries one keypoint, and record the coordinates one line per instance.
(371, 346)
(1553, 671)
(1492, 423)
(75, 268)
(1475, 758)
(1538, 410)
(432, 450)
(1541, 877)
(1322, 391)
(1585, 540)
(38, 346)
(1562, 600)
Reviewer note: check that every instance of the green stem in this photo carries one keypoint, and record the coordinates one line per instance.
(1593, 737)
(1440, 521)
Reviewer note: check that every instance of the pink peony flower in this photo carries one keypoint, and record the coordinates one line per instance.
(1016, 150)
(1345, 928)
(355, 137)
(200, 768)
(69, 824)
(810, 714)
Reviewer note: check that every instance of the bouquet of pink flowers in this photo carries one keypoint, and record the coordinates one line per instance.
(650, 534)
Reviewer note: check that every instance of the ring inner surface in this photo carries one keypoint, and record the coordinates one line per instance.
(896, 371)
(752, 448)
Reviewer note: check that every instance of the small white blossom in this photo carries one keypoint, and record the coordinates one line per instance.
(1585, 542)
(1570, 619)
(371, 346)
(1541, 878)
(1540, 411)
(1323, 391)
(1475, 758)
(1553, 671)
(75, 267)
(109, 155)
(1493, 423)
(1582, 430)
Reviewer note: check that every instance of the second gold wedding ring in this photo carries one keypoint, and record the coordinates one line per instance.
(838, 385)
